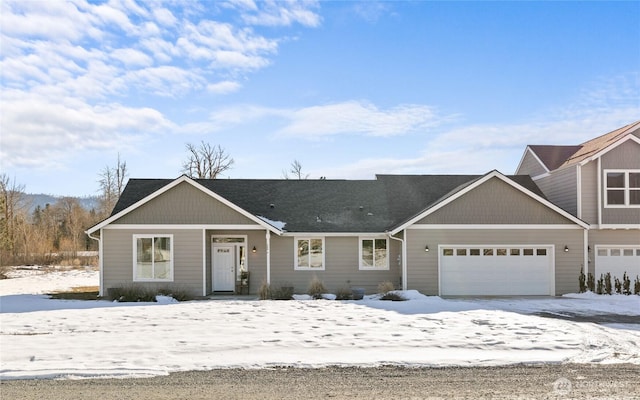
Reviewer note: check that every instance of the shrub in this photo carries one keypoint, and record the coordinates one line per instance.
(4, 271)
(591, 282)
(600, 289)
(264, 292)
(282, 292)
(344, 293)
(392, 296)
(582, 281)
(607, 283)
(131, 293)
(626, 284)
(316, 288)
(180, 294)
(385, 287)
(636, 286)
(617, 285)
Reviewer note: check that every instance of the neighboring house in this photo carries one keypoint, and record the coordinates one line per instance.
(439, 234)
(597, 181)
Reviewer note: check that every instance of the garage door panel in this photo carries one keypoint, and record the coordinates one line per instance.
(617, 260)
(496, 271)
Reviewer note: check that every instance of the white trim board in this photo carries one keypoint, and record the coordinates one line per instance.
(185, 227)
(173, 184)
(478, 182)
(487, 226)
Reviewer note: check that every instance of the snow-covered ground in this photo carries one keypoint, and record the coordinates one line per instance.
(44, 338)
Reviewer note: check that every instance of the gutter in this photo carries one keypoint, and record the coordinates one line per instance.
(404, 259)
(99, 240)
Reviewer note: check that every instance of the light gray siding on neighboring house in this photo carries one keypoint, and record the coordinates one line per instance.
(495, 202)
(625, 156)
(530, 166)
(423, 266)
(589, 190)
(187, 259)
(341, 266)
(560, 187)
(184, 204)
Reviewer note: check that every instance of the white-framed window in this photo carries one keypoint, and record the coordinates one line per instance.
(374, 253)
(309, 253)
(153, 258)
(622, 188)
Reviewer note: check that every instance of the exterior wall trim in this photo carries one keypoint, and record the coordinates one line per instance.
(173, 184)
(184, 226)
(487, 226)
(620, 226)
(492, 174)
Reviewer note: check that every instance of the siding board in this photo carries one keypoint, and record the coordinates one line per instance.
(560, 187)
(530, 165)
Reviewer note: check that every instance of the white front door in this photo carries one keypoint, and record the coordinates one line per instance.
(224, 268)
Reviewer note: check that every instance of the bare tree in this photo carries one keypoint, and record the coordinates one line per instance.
(296, 171)
(12, 207)
(206, 161)
(111, 185)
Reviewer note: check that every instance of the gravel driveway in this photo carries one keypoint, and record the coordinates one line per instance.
(570, 381)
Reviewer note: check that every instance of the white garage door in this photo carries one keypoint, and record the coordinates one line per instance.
(617, 260)
(496, 270)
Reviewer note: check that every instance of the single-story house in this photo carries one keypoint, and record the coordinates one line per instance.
(443, 235)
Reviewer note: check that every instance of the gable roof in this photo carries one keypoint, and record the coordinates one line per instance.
(323, 206)
(523, 183)
(554, 157)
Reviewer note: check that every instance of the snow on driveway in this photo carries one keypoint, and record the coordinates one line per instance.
(55, 338)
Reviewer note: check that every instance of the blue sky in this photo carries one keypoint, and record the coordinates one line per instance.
(350, 89)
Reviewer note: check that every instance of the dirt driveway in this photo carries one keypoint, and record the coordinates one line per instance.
(571, 381)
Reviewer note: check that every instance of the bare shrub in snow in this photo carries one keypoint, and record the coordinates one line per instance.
(385, 287)
(316, 288)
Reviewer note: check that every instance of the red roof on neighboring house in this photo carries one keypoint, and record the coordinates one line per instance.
(555, 157)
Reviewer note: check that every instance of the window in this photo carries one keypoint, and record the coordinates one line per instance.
(374, 253)
(501, 252)
(309, 253)
(447, 252)
(461, 252)
(474, 252)
(622, 188)
(153, 258)
(515, 252)
(541, 252)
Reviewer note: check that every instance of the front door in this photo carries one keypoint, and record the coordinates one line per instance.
(224, 268)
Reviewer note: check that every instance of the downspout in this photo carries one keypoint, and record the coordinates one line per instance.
(268, 237)
(99, 240)
(404, 258)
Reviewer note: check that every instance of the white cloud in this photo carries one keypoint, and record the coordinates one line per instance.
(224, 87)
(132, 57)
(355, 117)
(40, 133)
(164, 17)
(280, 13)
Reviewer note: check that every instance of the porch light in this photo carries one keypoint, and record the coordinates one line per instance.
(566, 248)
(254, 249)
(426, 248)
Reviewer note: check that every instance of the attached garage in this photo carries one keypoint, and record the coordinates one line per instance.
(617, 260)
(495, 270)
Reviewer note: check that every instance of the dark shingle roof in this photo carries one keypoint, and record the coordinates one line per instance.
(328, 205)
(554, 156)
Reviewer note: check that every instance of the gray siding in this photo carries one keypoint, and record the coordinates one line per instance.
(184, 204)
(625, 156)
(589, 183)
(495, 202)
(610, 237)
(560, 187)
(187, 259)
(341, 266)
(530, 166)
(423, 267)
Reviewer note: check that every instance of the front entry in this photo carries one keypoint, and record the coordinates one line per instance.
(224, 269)
(228, 260)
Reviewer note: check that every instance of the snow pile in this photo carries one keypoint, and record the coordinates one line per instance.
(100, 338)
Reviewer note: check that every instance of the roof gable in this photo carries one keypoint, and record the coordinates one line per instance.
(552, 157)
(524, 181)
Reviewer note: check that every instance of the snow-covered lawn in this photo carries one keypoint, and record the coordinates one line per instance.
(43, 338)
